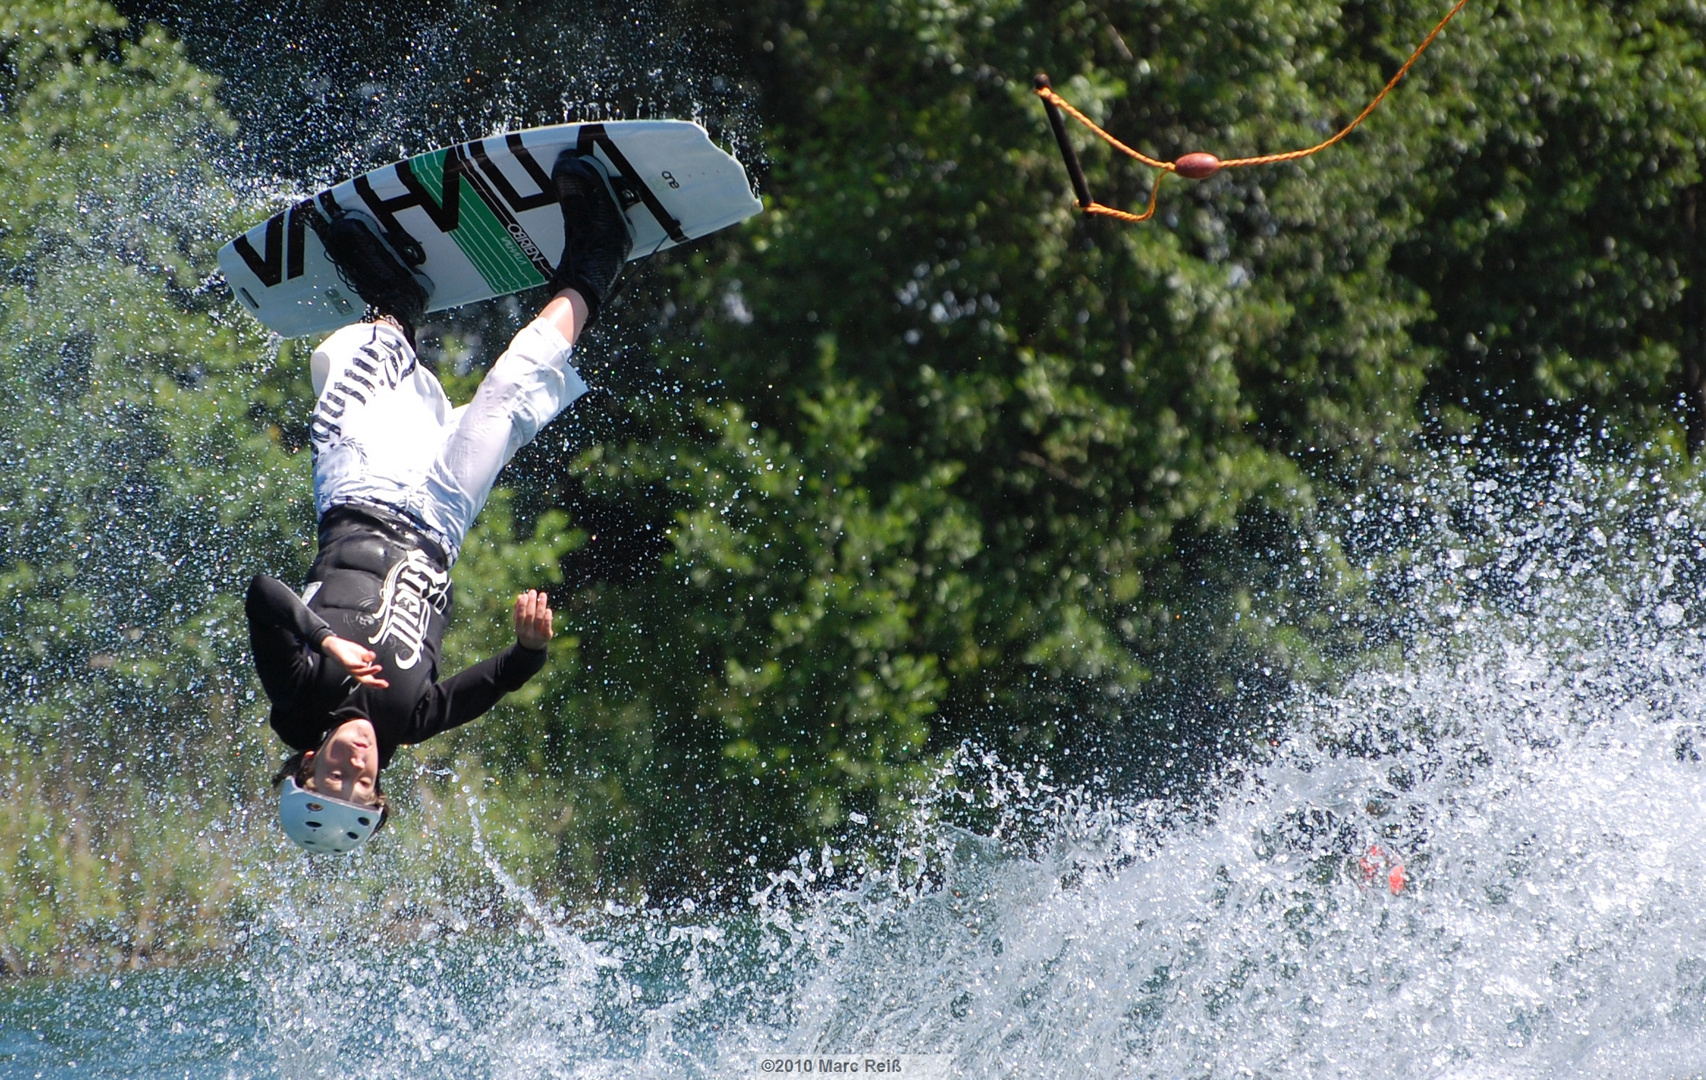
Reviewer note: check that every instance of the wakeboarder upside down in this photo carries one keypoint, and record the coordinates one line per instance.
(351, 666)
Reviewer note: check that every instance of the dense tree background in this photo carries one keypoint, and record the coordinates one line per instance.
(918, 456)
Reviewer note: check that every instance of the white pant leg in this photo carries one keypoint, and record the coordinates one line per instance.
(380, 418)
(530, 384)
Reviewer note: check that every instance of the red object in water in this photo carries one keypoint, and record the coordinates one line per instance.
(1377, 860)
(1198, 166)
(1370, 864)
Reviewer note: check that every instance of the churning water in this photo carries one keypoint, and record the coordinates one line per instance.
(1477, 860)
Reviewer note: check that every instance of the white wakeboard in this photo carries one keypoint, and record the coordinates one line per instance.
(485, 216)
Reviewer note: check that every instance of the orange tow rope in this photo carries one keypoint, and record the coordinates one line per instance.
(1196, 166)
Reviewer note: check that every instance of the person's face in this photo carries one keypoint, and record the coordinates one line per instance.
(347, 765)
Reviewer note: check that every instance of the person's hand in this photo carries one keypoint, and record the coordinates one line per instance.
(362, 663)
(532, 619)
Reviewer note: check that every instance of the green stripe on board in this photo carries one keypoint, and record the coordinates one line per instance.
(481, 236)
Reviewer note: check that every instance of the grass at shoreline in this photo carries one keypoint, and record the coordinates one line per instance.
(123, 874)
(111, 876)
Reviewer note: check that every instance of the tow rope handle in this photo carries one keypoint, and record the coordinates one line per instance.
(1073, 168)
(1199, 165)
(1191, 165)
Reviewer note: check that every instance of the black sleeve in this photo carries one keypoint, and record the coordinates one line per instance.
(276, 604)
(285, 638)
(471, 691)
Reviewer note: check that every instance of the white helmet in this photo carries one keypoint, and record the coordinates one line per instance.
(323, 824)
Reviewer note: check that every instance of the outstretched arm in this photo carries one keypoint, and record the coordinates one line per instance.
(470, 692)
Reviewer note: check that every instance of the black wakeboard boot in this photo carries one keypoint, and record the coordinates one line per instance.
(375, 271)
(596, 235)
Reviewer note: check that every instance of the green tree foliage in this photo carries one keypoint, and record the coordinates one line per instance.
(1112, 443)
(1559, 240)
(127, 488)
(1098, 440)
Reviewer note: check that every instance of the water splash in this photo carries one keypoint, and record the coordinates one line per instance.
(1534, 768)
(1532, 765)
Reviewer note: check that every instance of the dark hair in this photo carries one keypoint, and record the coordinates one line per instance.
(296, 767)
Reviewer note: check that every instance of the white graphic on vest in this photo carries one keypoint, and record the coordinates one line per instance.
(413, 591)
